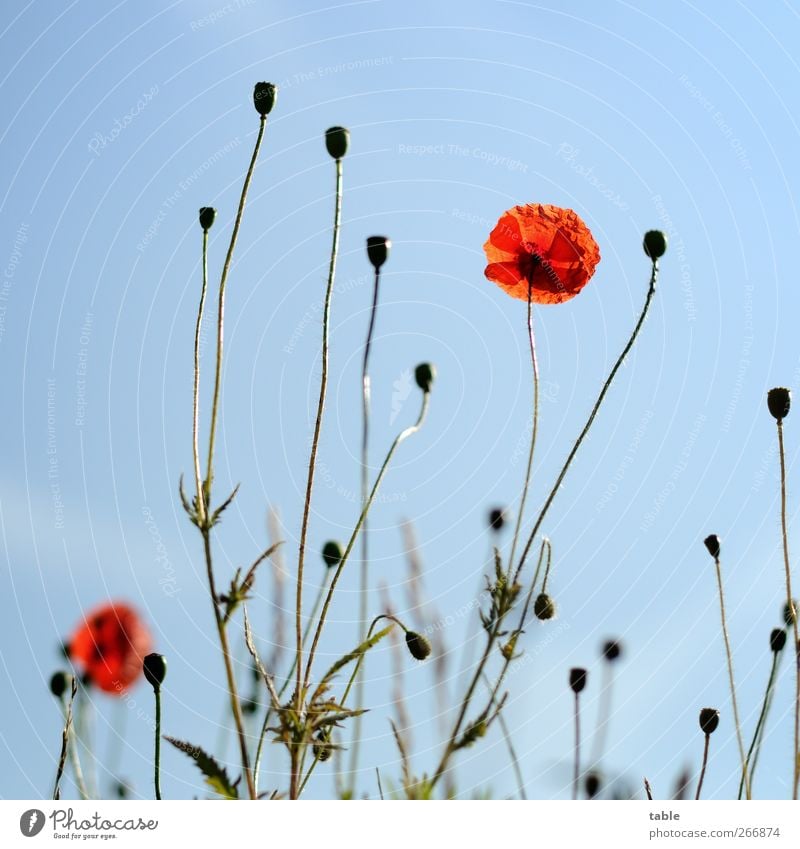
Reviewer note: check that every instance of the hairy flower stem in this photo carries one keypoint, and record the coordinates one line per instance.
(534, 424)
(200, 506)
(703, 769)
(364, 587)
(576, 775)
(729, 656)
(401, 437)
(157, 758)
(760, 725)
(312, 462)
(793, 613)
(582, 435)
(65, 743)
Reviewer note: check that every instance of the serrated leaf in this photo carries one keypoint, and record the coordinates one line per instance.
(359, 650)
(216, 776)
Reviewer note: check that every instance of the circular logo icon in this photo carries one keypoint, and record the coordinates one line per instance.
(31, 822)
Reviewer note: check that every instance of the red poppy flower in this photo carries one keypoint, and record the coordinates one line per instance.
(110, 644)
(544, 246)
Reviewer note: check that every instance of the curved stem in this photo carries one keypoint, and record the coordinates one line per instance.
(221, 309)
(401, 437)
(312, 462)
(582, 435)
(729, 656)
(364, 588)
(761, 723)
(703, 769)
(157, 759)
(793, 612)
(534, 425)
(198, 475)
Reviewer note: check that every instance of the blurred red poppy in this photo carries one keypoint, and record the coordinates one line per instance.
(544, 246)
(110, 645)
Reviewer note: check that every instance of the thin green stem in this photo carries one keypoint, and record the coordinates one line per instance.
(761, 724)
(703, 769)
(534, 425)
(364, 586)
(582, 435)
(793, 613)
(512, 752)
(312, 462)
(65, 741)
(401, 437)
(577, 769)
(233, 693)
(729, 656)
(198, 475)
(157, 759)
(221, 310)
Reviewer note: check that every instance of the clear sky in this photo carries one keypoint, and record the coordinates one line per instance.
(120, 120)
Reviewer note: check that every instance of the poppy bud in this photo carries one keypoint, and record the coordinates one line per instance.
(336, 140)
(249, 706)
(709, 720)
(655, 244)
(788, 616)
(577, 679)
(425, 373)
(418, 645)
(155, 670)
(378, 250)
(497, 519)
(60, 683)
(322, 749)
(207, 216)
(612, 649)
(264, 95)
(711, 542)
(592, 785)
(544, 607)
(778, 402)
(332, 553)
(777, 640)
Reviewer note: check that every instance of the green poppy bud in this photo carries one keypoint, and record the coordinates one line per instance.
(544, 607)
(711, 542)
(577, 679)
(60, 683)
(155, 670)
(778, 402)
(337, 140)
(207, 216)
(777, 640)
(264, 95)
(425, 374)
(332, 553)
(612, 649)
(497, 518)
(418, 645)
(378, 248)
(709, 720)
(655, 244)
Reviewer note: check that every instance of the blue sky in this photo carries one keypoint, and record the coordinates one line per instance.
(121, 122)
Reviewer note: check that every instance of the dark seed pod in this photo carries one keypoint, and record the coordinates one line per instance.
(612, 650)
(378, 250)
(777, 640)
(425, 374)
(419, 646)
(264, 95)
(249, 706)
(322, 749)
(577, 679)
(544, 607)
(709, 720)
(207, 216)
(592, 785)
(655, 244)
(337, 140)
(711, 542)
(332, 553)
(60, 683)
(497, 519)
(788, 618)
(779, 400)
(155, 670)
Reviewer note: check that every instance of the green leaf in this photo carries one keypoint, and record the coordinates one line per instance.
(216, 777)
